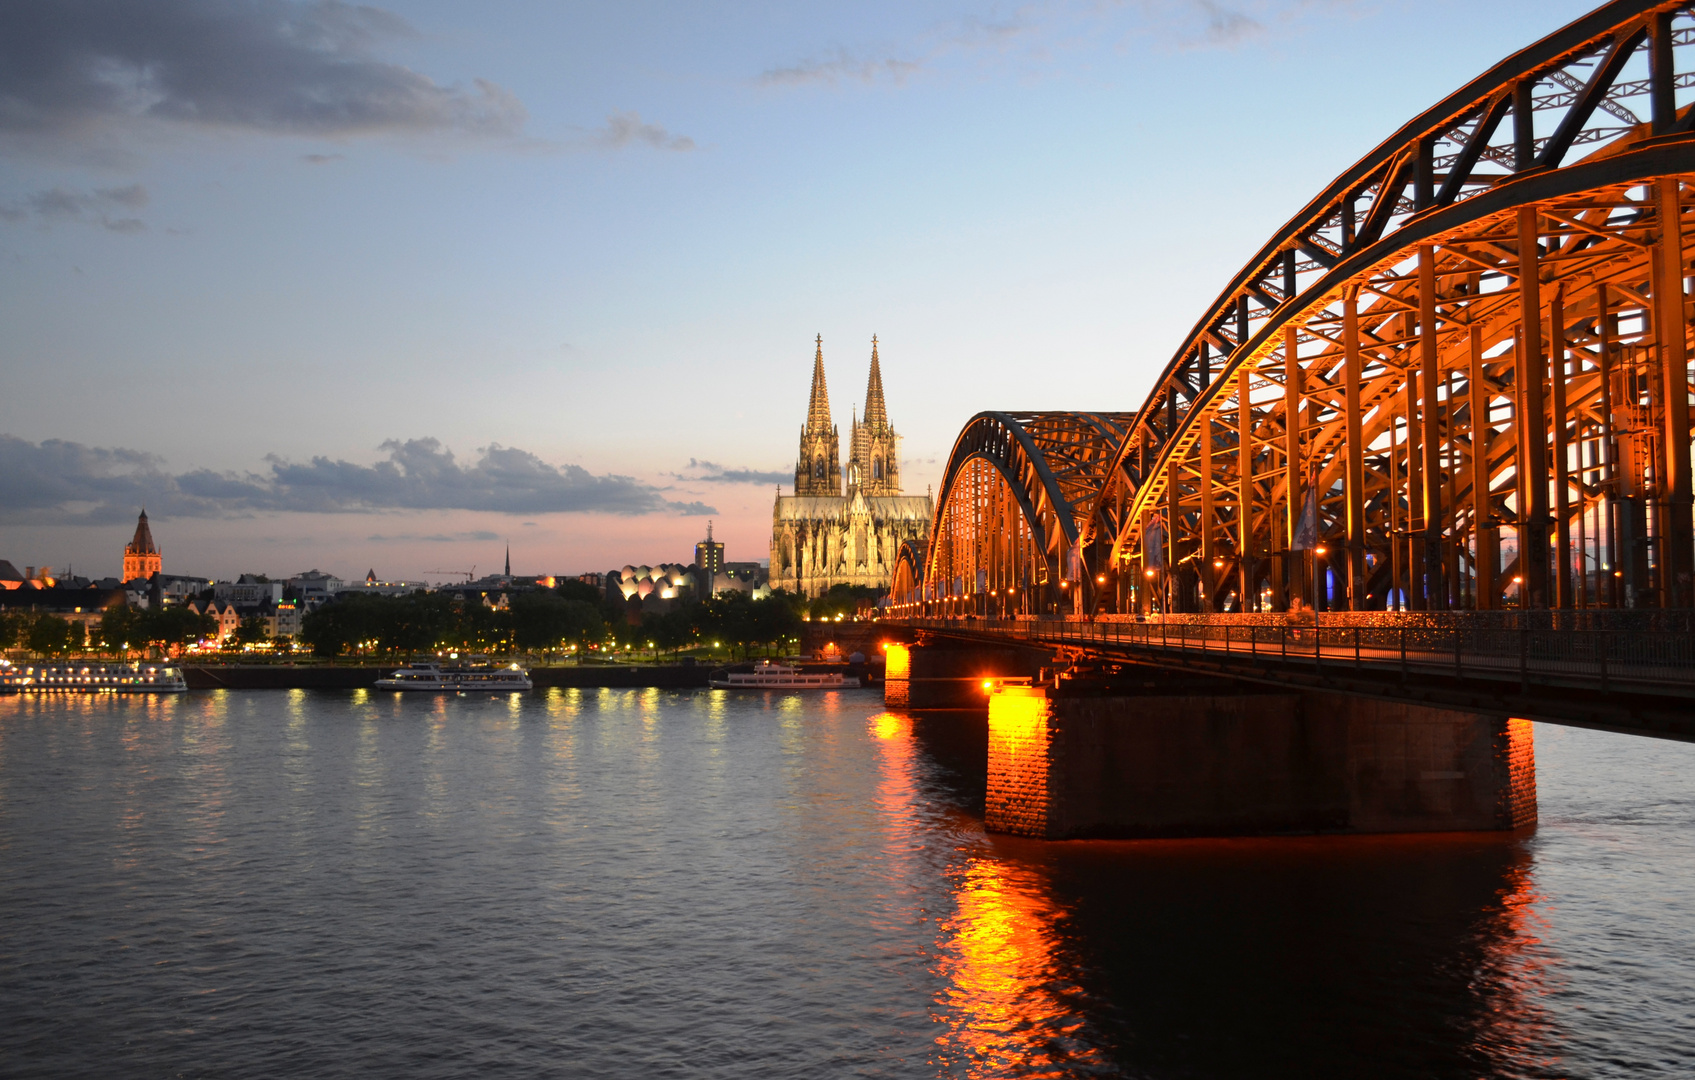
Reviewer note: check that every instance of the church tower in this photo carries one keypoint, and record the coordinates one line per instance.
(874, 449)
(818, 471)
(141, 557)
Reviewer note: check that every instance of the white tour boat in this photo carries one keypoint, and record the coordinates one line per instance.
(768, 676)
(429, 675)
(91, 678)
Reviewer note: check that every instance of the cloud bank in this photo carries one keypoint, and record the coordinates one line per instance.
(708, 472)
(57, 482)
(68, 67)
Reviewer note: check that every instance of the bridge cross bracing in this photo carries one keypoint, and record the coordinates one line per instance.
(1456, 350)
(1457, 380)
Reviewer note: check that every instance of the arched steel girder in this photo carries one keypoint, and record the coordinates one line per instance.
(1587, 76)
(909, 571)
(1053, 463)
(1647, 164)
(1429, 384)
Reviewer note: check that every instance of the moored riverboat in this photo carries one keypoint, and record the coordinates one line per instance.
(91, 679)
(769, 676)
(431, 676)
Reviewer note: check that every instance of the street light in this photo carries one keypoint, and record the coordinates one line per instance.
(1317, 552)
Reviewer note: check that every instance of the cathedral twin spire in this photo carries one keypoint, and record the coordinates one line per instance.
(818, 410)
(876, 414)
(818, 470)
(874, 448)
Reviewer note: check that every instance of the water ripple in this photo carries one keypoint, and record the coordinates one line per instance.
(648, 883)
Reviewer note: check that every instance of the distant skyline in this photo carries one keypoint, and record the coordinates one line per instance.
(386, 287)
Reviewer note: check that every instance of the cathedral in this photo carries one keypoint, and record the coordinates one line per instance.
(834, 533)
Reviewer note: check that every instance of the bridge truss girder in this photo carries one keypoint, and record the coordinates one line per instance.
(1563, 379)
(1008, 515)
(1383, 319)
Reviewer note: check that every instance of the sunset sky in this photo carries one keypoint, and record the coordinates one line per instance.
(385, 287)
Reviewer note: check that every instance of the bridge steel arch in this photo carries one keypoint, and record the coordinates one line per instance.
(908, 584)
(1010, 510)
(1462, 370)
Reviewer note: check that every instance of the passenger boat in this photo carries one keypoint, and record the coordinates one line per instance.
(91, 679)
(768, 676)
(476, 675)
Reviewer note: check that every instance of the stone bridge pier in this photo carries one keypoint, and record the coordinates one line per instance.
(1142, 753)
(949, 675)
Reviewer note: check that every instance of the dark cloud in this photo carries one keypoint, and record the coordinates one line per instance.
(627, 128)
(68, 67)
(96, 207)
(321, 159)
(61, 482)
(707, 472)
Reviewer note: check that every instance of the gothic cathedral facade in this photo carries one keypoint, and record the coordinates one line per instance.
(844, 528)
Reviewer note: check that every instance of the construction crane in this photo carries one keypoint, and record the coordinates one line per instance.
(470, 575)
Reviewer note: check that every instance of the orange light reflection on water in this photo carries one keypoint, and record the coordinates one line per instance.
(1513, 977)
(1005, 1004)
(1008, 1006)
(897, 787)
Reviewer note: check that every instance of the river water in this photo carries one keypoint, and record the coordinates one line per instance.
(617, 883)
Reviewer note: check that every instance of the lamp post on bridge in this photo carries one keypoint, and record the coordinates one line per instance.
(1317, 554)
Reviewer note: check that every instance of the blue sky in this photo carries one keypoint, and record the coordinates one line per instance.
(267, 265)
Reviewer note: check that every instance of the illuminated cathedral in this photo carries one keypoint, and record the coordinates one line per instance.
(844, 529)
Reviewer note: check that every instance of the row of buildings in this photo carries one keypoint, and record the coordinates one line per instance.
(842, 525)
(280, 604)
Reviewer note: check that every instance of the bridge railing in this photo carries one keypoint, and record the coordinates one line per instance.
(1449, 646)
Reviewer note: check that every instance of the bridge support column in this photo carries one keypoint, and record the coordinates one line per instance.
(1078, 765)
(943, 677)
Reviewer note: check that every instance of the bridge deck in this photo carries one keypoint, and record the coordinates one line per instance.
(1640, 682)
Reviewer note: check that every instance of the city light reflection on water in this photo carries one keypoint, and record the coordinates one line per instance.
(635, 883)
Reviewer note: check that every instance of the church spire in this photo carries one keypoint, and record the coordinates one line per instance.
(141, 554)
(143, 542)
(818, 410)
(508, 560)
(818, 469)
(876, 413)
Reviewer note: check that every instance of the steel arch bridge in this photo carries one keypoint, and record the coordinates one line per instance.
(1018, 487)
(1458, 378)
